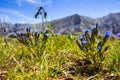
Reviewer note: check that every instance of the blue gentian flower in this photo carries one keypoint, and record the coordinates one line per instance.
(46, 35)
(20, 34)
(37, 31)
(15, 35)
(84, 42)
(99, 48)
(94, 29)
(28, 28)
(86, 30)
(81, 36)
(107, 34)
(118, 34)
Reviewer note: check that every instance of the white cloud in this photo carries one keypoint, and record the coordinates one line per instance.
(14, 12)
(18, 16)
(31, 1)
(38, 2)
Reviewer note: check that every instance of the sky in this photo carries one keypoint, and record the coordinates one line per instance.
(23, 11)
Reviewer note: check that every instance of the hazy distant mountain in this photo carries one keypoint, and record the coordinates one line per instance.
(6, 28)
(110, 22)
(72, 24)
(77, 23)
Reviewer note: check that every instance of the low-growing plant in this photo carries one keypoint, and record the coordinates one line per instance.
(35, 40)
(92, 46)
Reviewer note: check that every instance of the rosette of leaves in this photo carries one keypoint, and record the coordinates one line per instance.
(93, 47)
(33, 39)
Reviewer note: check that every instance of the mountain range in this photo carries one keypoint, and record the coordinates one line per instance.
(71, 24)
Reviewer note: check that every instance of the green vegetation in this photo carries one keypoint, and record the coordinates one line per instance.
(93, 47)
(59, 54)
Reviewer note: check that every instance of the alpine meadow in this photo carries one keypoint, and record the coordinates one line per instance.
(47, 51)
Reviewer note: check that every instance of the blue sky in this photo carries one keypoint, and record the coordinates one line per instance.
(22, 11)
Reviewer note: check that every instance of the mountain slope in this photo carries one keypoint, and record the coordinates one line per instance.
(110, 22)
(77, 23)
(72, 24)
